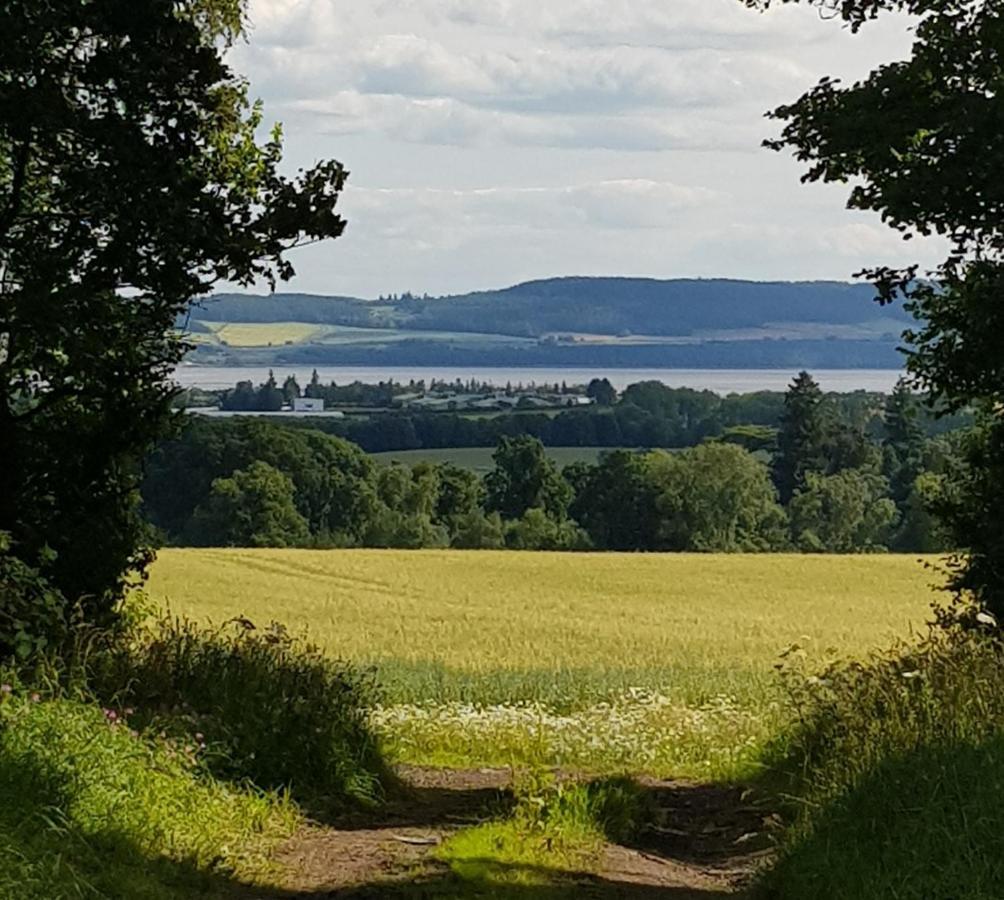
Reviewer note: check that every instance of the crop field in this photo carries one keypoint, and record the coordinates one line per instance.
(263, 334)
(661, 664)
(479, 459)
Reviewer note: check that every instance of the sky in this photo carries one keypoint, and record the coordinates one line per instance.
(494, 141)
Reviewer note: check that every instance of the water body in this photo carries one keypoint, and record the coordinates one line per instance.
(722, 381)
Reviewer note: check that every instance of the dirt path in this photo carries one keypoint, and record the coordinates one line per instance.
(704, 842)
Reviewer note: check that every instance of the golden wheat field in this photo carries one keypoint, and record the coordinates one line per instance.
(661, 663)
(248, 334)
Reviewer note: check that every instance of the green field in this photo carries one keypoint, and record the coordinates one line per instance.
(655, 663)
(479, 459)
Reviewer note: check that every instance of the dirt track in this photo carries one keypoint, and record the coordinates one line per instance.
(704, 841)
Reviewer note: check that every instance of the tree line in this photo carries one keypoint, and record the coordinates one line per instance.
(831, 483)
(646, 414)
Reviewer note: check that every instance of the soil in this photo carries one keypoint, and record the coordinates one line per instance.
(704, 841)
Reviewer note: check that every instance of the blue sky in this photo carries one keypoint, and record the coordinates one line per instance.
(493, 141)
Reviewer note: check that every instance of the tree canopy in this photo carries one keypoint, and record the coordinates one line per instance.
(920, 141)
(131, 181)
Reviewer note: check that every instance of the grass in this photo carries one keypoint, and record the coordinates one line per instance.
(556, 829)
(268, 707)
(90, 808)
(479, 459)
(898, 769)
(609, 662)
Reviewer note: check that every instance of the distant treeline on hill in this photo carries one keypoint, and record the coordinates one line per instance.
(594, 305)
(838, 473)
(575, 322)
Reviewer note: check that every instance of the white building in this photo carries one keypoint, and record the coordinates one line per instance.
(308, 404)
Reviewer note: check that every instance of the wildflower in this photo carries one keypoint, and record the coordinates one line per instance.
(199, 736)
(913, 674)
(111, 715)
(985, 618)
(35, 697)
(6, 689)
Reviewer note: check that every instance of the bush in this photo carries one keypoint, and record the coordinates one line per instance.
(32, 612)
(898, 767)
(269, 708)
(90, 808)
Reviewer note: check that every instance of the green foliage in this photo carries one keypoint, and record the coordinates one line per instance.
(477, 531)
(898, 764)
(33, 614)
(524, 478)
(269, 708)
(332, 478)
(716, 497)
(920, 142)
(843, 513)
(536, 530)
(616, 502)
(132, 183)
(89, 808)
(252, 508)
(970, 502)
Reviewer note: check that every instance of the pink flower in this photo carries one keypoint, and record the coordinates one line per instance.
(36, 697)
(6, 689)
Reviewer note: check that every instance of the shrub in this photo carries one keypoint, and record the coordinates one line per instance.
(898, 767)
(269, 707)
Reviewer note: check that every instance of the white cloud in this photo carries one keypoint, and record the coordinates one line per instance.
(493, 140)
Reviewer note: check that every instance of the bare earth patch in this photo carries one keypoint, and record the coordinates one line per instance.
(705, 841)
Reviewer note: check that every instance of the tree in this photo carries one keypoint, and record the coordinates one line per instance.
(290, 389)
(921, 142)
(314, 389)
(615, 502)
(716, 498)
(252, 508)
(270, 397)
(842, 513)
(536, 530)
(602, 391)
(524, 478)
(476, 531)
(130, 183)
(802, 436)
(902, 442)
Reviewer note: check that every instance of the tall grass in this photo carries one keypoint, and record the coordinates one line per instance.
(897, 767)
(264, 706)
(90, 808)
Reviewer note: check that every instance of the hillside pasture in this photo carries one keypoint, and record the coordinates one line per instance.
(610, 662)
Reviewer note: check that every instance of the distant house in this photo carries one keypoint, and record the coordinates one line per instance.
(308, 404)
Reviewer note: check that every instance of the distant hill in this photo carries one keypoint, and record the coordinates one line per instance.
(569, 321)
(594, 305)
